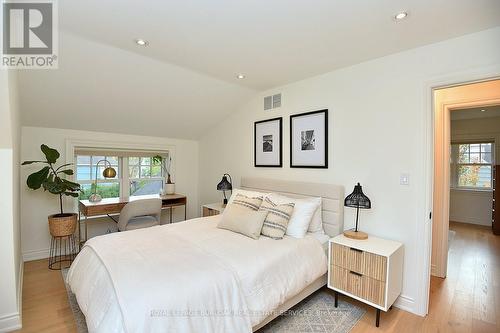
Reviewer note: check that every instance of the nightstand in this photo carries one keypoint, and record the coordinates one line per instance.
(369, 270)
(212, 209)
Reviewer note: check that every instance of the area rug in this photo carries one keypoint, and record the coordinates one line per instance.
(316, 313)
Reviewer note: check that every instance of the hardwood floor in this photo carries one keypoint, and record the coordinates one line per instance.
(45, 302)
(468, 300)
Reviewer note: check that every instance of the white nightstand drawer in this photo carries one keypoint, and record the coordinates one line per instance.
(358, 285)
(359, 261)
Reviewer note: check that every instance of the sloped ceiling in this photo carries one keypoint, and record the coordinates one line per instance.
(185, 80)
(274, 42)
(102, 88)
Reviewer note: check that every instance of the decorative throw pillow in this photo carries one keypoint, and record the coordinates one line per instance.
(277, 218)
(241, 219)
(244, 201)
(302, 215)
(250, 194)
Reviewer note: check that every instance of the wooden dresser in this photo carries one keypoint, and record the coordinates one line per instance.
(370, 270)
(495, 213)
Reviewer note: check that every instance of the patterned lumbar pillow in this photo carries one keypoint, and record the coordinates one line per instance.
(247, 202)
(277, 218)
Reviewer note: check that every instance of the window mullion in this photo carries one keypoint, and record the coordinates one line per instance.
(125, 177)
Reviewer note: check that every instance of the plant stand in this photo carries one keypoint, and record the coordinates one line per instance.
(63, 250)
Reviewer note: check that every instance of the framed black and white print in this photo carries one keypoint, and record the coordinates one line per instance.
(309, 140)
(268, 138)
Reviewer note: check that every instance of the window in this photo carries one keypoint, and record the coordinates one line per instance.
(86, 167)
(145, 175)
(136, 174)
(472, 165)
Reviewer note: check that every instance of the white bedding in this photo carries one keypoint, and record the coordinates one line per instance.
(154, 269)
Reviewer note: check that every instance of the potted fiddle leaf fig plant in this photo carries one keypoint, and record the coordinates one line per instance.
(52, 179)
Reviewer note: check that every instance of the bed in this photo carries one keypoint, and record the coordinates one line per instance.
(192, 276)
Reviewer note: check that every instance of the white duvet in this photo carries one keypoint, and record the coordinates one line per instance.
(189, 277)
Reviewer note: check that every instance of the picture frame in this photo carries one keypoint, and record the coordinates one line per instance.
(268, 143)
(309, 140)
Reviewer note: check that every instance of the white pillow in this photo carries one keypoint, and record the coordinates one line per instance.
(316, 225)
(302, 215)
(250, 194)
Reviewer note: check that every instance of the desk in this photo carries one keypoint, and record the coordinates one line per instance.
(108, 206)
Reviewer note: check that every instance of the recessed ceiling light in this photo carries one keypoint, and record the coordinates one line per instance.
(141, 42)
(240, 76)
(483, 110)
(400, 16)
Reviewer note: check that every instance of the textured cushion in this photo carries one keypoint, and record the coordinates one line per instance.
(302, 215)
(277, 218)
(250, 194)
(241, 219)
(247, 202)
(141, 222)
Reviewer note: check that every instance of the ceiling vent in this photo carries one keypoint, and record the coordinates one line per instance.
(272, 102)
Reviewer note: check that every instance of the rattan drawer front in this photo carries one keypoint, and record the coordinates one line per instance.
(374, 290)
(358, 261)
(338, 277)
(358, 285)
(374, 266)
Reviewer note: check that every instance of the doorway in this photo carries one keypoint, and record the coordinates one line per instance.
(447, 100)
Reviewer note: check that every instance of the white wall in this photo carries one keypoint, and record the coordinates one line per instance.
(473, 207)
(10, 263)
(378, 130)
(468, 206)
(34, 227)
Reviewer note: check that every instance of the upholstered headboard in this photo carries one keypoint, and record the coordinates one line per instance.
(332, 197)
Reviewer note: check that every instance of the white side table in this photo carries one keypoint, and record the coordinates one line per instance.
(369, 270)
(212, 209)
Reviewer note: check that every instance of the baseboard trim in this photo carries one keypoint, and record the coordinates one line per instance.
(471, 220)
(20, 292)
(10, 322)
(406, 303)
(35, 255)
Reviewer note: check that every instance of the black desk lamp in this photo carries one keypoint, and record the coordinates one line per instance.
(225, 185)
(357, 199)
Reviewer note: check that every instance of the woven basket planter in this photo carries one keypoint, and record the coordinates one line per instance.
(62, 224)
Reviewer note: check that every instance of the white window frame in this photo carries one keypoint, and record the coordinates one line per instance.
(455, 164)
(124, 181)
(129, 179)
(90, 181)
(72, 144)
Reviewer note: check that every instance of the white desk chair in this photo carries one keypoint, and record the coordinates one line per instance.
(138, 214)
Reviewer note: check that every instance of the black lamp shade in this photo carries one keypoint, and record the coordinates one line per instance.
(357, 199)
(224, 185)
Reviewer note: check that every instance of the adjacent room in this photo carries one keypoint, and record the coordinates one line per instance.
(236, 166)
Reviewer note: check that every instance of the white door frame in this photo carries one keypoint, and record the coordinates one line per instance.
(424, 228)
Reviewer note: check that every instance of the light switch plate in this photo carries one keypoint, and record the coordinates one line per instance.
(404, 179)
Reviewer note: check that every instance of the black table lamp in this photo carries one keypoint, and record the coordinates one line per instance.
(357, 199)
(225, 185)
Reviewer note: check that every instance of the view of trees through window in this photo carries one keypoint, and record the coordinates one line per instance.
(473, 165)
(145, 175)
(141, 175)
